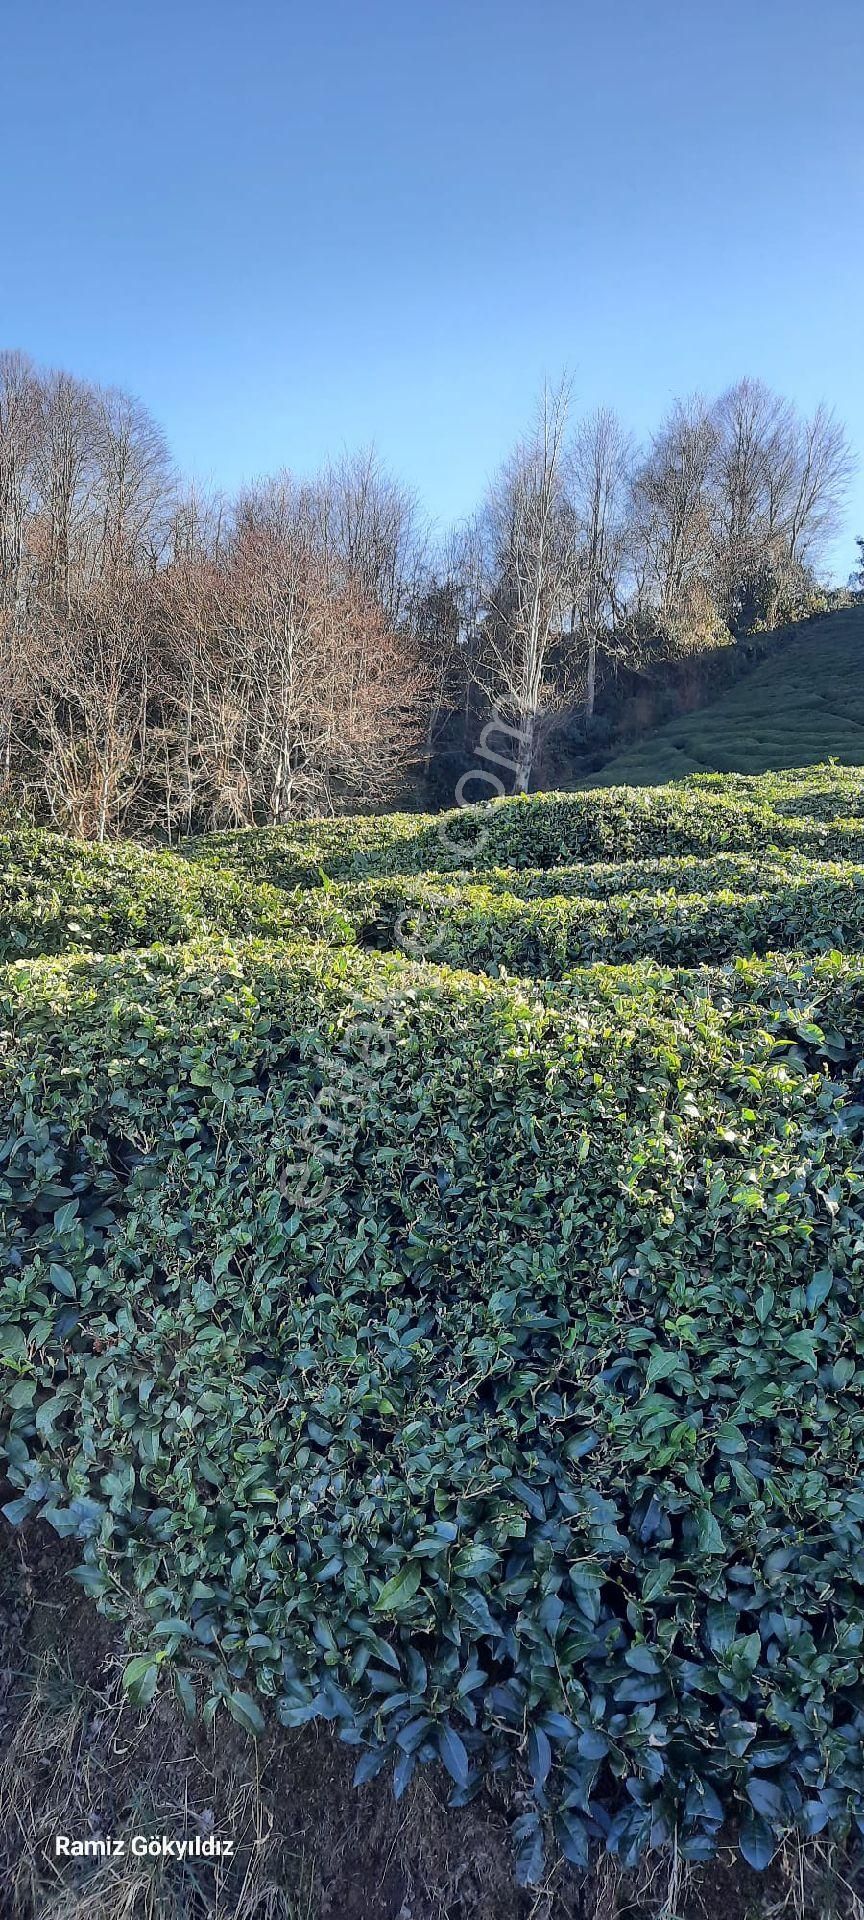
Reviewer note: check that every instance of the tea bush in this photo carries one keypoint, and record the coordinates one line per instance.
(57, 894)
(488, 928)
(475, 1365)
(543, 830)
(471, 1362)
(681, 873)
(815, 793)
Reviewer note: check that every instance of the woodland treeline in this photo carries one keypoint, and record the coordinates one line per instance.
(171, 661)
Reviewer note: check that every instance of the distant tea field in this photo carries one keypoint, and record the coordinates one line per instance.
(801, 705)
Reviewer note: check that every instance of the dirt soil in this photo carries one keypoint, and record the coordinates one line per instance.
(309, 1845)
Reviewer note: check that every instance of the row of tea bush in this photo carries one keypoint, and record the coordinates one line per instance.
(58, 895)
(475, 1365)
(548, 830)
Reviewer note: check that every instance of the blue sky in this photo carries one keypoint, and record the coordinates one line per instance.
(296, 227)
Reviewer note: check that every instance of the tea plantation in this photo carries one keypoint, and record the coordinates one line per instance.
(802, 703)
(433, 1289)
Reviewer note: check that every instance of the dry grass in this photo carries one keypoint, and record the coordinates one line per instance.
(78, 1763)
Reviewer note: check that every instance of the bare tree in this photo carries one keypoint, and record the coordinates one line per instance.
(599, 470)
(66, 475)
(93, 684)
(753, 462)
(672, 512)
(530, 552)
(135, 484)
(753, 466)
(778, 483)
(17, 693)
(186, 622)
(447, 622)
(292, 694)
(371, 534)
(823, 469)
(19, 420)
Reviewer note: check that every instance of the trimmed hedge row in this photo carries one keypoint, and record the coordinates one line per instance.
(683, 873)
(814, 793)
(541, 830)
(57, 894)
(475, 1367)
(486, 928)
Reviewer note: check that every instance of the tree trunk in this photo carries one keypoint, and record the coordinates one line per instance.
(525, 763)
(591, 681)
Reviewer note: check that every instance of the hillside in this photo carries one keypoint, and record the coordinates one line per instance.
(799, 707)
(431, 1321)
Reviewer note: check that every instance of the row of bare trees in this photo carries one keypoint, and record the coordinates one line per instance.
(590, 551)
(170, 662)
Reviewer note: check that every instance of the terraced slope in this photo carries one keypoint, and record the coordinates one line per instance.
(431, 1290)
(800, 707)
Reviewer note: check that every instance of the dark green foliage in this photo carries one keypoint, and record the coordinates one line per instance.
(475, 1363)
(529, 1421)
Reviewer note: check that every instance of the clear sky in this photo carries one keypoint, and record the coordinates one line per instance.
(294, 226)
